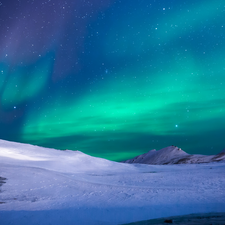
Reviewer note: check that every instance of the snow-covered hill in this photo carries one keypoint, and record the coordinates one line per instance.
(48, 186)
(56, 160)
(174, 155)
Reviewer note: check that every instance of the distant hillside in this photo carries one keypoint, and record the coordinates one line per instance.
(174, 155)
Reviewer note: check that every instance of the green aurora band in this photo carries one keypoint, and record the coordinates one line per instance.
(165, 85)
(130, 104)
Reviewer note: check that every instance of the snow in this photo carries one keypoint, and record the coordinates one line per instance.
(192, 219)
(48, 186)
(174, 155)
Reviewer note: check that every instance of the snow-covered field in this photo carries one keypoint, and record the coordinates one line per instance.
(47, 186)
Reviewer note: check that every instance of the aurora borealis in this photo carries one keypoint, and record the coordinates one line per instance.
(113, 78)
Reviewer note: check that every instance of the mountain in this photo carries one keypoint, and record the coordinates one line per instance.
(174, 155)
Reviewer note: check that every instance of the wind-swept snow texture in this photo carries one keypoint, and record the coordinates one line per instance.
(193, 219)
(174, 155)
(47, 186)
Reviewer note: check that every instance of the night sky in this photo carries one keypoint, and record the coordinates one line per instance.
(113, 78)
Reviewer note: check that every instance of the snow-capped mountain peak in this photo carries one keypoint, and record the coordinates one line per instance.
(174, 155)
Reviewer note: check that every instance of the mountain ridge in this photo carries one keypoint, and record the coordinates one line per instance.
(174, 155)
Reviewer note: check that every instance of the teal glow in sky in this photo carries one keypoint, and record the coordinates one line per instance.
(114, 79)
